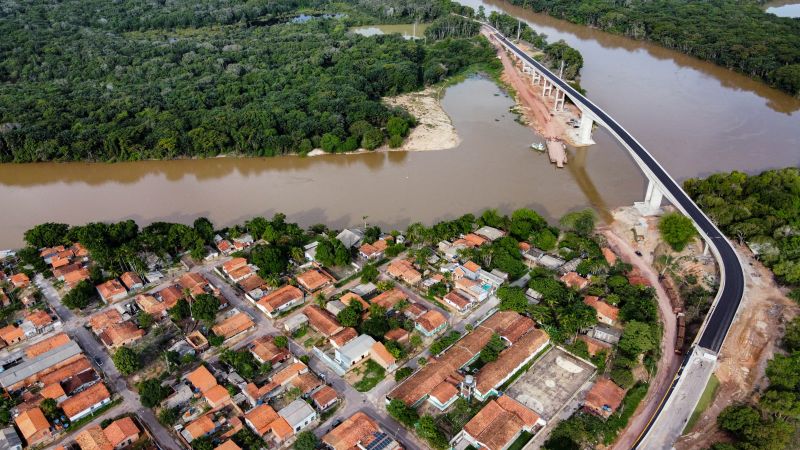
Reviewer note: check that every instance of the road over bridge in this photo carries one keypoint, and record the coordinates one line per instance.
(699, 362)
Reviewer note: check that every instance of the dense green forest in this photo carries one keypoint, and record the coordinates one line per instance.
(736, 34)
(94, 80)
(760, 210)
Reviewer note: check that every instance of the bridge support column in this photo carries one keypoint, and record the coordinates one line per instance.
(653, 197)
(559, 105)
(536, 77)
(585, 130)
(548, 88)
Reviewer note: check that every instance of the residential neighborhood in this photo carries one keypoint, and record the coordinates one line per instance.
(338, 346)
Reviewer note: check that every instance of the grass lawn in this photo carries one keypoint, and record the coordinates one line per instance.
(523, 439)
(373, 374)
(704, 402)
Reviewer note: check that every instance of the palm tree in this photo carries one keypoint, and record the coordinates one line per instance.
(668, 263)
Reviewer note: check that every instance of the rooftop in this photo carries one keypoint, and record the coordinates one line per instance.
(233, 325)
(314, 279)
(322, 320)
(85, 399)
(604, 397)
(499, 422)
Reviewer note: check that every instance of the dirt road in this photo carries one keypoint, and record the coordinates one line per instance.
(669, 362)
(535, 108)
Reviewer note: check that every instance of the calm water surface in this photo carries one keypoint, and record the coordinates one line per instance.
(784, 8)
(696, 118)
(407, 30)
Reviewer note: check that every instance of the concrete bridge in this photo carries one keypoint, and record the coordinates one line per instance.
(667, 424)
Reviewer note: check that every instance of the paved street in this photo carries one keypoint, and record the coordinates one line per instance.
(73, 325)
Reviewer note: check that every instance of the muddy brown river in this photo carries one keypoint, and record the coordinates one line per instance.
(696, 118)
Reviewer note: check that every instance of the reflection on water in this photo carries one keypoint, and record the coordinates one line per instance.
(411, 30)
(492, 168)
(784, 8)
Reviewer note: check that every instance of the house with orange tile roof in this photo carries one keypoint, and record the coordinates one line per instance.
(473, 240)
(33, 426)
(314, 280)
(575, 281)
(112, 291)
(324, 398)
(93, 438)
(233, 264)
(202, 426)
(431, 323)
(322, 320)
(595, 346)
(131, 281)
(444, 395)
(358, 432)
(373, 251)
(306, 382)
(225, 246)
(39, 321)
(280, 300)
(388, 300)
(414, 310)
(234, 325)
(228, 445)
(151, 305)
(498, 424)
(120, 334)
(606, 313)
(353, 297)
(252, 282)
(495, 373)
(20, 280)
(204, 382)
(122, 432)
(398, 334)
(457, 301)
(86, 402)
(45, 345)
(284, 376)
(417, 388)
(170, 295)
(201, 379)
(471, 289)
(53, 391)
(217, 397)
(74, 276)
(402, 269)
(264, 350)
(11, 334)
(102, 320)
(603, 398)
(343, 337)
(264, 421)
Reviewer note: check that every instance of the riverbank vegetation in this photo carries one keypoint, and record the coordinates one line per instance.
(738, 35)
(86, 80)
(762, 211)
(554, 53)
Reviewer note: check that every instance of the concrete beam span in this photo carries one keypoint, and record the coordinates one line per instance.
(731, 287)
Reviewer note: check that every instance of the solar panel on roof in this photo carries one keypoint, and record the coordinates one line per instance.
(381, 441)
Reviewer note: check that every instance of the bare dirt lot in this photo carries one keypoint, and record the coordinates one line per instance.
(749, 345)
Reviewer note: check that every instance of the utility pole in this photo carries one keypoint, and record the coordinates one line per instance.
(519, 28)
(561, 70)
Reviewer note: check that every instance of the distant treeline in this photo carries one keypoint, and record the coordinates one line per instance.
(735, 34)
(90, 80)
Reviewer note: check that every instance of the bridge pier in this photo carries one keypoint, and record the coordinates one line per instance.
(559, 105)
(536, 77)
(585, 129)
(547, 89)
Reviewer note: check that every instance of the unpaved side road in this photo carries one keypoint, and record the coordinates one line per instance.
(669, 362)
